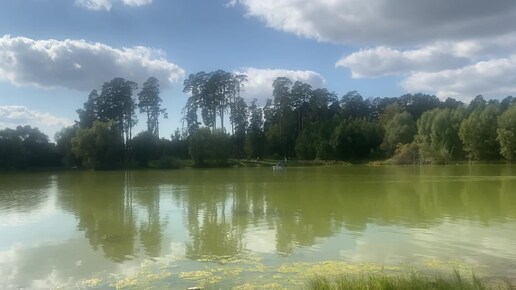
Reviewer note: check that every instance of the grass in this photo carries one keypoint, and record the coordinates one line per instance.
(414, 281)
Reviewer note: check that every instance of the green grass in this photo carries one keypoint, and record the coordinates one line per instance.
(414, 281)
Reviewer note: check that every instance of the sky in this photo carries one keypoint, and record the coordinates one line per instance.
(54, 52)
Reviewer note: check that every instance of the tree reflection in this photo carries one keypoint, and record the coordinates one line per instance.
(147, 195)
(103, 203)
(222, 208)
(21, 194)
(209, 224)
(303, 206)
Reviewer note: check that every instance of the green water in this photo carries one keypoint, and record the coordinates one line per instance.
(253, 226)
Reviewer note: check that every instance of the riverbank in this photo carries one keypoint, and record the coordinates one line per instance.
(290, 163)
(174, 163)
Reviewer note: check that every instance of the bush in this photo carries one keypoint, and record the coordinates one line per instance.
(406, 154)
(166, 162)
(207, 145)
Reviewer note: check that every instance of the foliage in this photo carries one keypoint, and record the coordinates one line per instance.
(478, 133)
(399, 130)
(295, 122)
(145, 147)
(206, 145)
(166, 162)
(149, 102)
(388, 113)
(356, 139)
(99, 147)
(305, 148)
(26, 147)
(176, 147)
(212, 93)
(419, 103)
(116, 105)
(239, 123)
(406, 154)
(88, 114)
(64, 146)
(255, 138)
(507, 133)
(438, 136)
(354, 106)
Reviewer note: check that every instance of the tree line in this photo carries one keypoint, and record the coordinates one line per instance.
(296, 122)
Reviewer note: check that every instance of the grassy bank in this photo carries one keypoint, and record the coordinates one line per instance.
(414, 281)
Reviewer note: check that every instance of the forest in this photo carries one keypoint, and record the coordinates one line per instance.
(297, 122)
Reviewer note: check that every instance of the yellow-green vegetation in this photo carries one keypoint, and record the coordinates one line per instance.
(414, 281)
(142, 280)
(91, 283)
(251, 273)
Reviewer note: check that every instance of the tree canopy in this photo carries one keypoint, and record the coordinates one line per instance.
(295, 121)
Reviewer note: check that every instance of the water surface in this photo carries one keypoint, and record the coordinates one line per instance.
(245, 226)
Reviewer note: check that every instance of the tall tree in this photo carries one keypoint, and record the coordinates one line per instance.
(282, 101)
(116, 104)
(255, 137)
(149, 102)
(238, 119)
(507, 133)
(354, 106)
(419, 103)
(301, 93)
(323, 105)
(213, 93)
(88, 113)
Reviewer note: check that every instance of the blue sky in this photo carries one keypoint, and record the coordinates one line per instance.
(53, 52)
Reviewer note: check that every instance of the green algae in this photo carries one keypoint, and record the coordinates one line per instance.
(252, 273)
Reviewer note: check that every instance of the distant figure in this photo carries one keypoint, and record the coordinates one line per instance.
(280, 164)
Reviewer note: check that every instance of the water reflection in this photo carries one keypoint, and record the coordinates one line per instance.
(49, 265)
(115, 212)
(220, 208)
(387, 215)
(19, 196)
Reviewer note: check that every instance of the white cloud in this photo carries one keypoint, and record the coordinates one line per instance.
(381, 61)
(461, 69)
(13, 116)
(493, 78)
(80, 65)
(260, 240)
(137, 3)
(95, 4)
(259, 81)
(440, 55)
(448, 48)
(385, 21)
(108, 4)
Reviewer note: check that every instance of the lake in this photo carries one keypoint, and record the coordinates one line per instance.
(240, 227)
